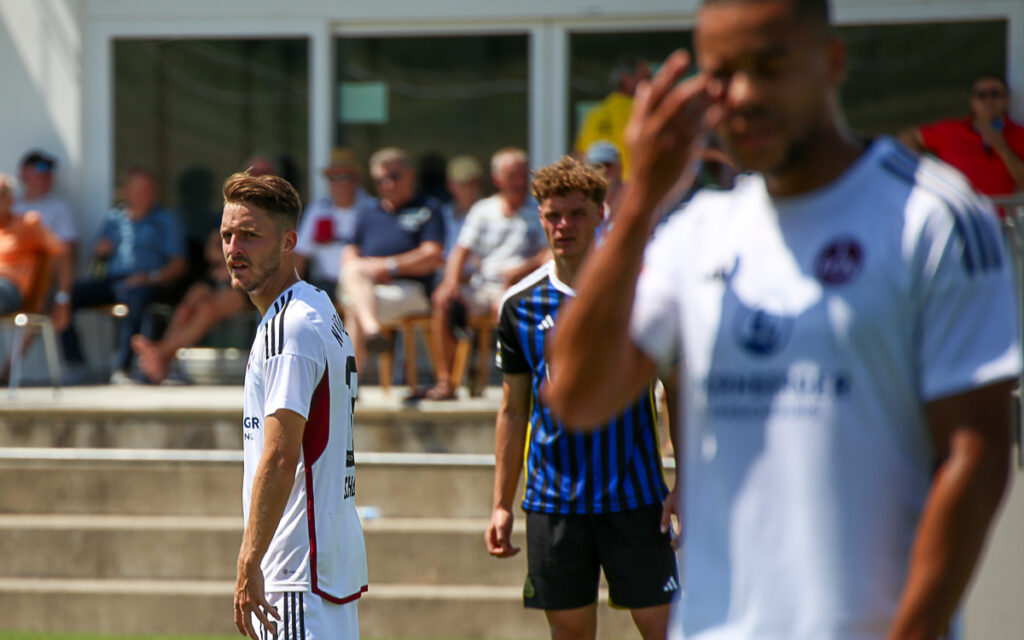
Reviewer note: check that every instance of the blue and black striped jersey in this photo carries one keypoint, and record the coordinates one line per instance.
(613, 469)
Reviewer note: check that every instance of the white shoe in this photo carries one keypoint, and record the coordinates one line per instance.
(121, 377)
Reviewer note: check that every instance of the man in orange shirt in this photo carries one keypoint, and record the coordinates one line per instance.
(22, 239)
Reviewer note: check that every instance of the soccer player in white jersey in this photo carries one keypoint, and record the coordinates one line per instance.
(847, 326)
(302, 564)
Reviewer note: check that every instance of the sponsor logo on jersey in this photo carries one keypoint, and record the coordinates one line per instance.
(547, 323)
(412, 219)
(839, 262)
(762, 332)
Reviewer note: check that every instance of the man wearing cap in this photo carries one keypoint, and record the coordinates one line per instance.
(603, 156)
(36, 172)
(464, 183)
(503, 234)
(327, 224)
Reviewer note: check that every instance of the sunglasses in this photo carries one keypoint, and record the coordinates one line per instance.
(392, 176)
(989, 94)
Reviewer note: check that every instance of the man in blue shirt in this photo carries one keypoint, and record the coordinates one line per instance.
(143, 249)
(396, 247)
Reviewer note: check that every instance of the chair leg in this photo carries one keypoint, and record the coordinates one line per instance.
(462, 349)
(386, 363)
(483, 348)
(412, 377)
(52, 359)
(15, 379)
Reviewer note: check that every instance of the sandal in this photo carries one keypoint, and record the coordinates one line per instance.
(440, 392)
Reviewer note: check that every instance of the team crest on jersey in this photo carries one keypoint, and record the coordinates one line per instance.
(762, 332)
(839, 262)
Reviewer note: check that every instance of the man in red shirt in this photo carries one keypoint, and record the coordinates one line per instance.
(986, 146)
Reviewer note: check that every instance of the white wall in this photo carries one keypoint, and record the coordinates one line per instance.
(40, 76)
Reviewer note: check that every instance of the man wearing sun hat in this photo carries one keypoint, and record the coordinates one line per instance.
(327, 223)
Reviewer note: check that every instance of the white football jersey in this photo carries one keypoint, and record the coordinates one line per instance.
(302, 360)
(812, 331)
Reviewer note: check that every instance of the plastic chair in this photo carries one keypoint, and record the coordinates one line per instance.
(31, 315)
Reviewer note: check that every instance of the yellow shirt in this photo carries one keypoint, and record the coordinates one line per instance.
(607, 121)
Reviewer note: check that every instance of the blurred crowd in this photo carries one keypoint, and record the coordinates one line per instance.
(381, 243)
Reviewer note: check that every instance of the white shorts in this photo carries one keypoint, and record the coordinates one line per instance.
(307, 616)
(396, 300)
(482, 299)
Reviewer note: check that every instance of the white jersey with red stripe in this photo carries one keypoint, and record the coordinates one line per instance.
(302, 360)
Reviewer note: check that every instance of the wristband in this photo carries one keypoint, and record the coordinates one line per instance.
(62, 297)
(392, 266)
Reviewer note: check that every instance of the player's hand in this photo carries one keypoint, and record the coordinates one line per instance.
(668, 509)
(667, 126)
(498, 537)
(250, 599)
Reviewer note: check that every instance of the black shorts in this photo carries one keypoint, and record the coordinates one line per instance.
(565, 554)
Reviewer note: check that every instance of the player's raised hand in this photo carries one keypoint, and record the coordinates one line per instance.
(250, 600)
(498, 536)
(669, 122)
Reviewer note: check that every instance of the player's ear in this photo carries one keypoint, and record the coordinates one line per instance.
(288, 241)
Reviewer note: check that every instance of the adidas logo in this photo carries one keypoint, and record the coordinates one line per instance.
(547, 323)
(671, 585)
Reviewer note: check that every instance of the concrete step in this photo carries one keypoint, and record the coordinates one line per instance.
(209, 483)
(210, 418)
(399, 550)
(204, 607)
(409, 431)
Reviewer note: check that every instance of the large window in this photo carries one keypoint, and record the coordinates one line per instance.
(593, 56)
(435, 96)
(193, 111)
(899, 75)
(904, 75)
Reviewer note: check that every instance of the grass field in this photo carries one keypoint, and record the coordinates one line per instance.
(33, 635)
(40, 635)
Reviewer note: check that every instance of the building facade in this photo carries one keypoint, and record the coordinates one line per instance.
(194, 88)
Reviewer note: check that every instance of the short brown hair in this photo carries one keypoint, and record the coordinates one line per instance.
(272, 194)
(565, 176)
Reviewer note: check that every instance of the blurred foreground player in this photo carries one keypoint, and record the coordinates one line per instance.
(592, 500)
(847, 319)
(303, 560)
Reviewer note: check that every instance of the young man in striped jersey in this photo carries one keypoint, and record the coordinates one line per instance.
(594, 500)
(302, 565)
(848, 322)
